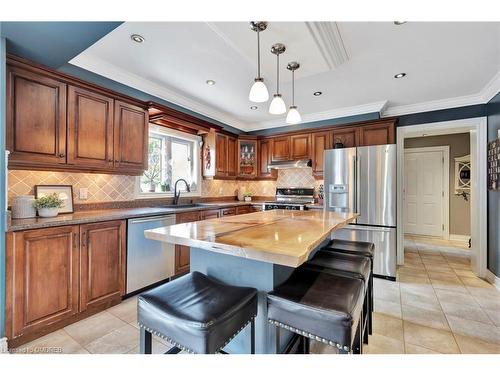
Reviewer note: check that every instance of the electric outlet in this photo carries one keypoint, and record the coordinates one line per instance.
(84, 193)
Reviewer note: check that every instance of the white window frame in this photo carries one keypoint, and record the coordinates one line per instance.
(196, 165)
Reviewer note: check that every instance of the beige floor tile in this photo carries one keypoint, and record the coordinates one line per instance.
(449, 278)
(430, 338)
(121, 340)
(418, 272)
(459, 266)
(415, 349)
(486, 301)
(435, 262)
(481, 331)
(58, 342)
(428, 302)
(387, 290)
(387, 325)
(455, 297)
(465, 273)
(387, 307)
(410, 279)
(126, 311)
(476, 282)
(438, 272)
(452, 286)
(457, 259)
(90, 329)
(379, 344)
(425, 317)
(471, 312)
(470, 345)
(158, 348)
(494, 316)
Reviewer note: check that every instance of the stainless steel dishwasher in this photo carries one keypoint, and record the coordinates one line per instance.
(148, 261)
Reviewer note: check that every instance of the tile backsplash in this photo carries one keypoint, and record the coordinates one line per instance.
(113, 188)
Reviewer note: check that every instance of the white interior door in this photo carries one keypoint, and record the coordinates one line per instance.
(425, 205)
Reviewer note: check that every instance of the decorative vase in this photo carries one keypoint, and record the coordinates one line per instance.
(48, 211)
(240, 194)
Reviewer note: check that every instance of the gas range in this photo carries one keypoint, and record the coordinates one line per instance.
(291, 199)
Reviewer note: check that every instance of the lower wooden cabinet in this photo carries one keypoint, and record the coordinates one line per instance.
(56, 276)
(182, 256)
(102, 263)
(228, 211)
(240, 210)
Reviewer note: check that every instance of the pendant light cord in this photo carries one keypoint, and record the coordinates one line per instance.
(258, 54)
(278, 74)
(293, 87)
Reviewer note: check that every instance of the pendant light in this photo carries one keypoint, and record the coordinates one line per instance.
(277, 106)
(258, 92)
(293, 116)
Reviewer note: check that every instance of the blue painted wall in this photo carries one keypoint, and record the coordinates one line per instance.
(493, 111)
(450, 114)
(2, 184)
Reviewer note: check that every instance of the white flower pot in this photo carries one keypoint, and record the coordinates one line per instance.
(248, 199)
(48, 212)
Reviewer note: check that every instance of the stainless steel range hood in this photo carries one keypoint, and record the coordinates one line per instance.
(301, 163)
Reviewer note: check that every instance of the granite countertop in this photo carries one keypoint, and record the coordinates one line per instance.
(92, 216)
(277, 236)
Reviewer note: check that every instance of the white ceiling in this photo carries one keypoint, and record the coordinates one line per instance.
(447, 64)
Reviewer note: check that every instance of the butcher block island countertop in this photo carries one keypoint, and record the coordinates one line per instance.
(278, 236)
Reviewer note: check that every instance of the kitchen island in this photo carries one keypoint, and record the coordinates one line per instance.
(259, 249)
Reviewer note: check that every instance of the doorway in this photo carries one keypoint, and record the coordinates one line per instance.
(477, 129)
(426, 191)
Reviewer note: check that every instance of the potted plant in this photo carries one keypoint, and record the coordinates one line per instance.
(247, 196)
(48, 205)
(165, 187)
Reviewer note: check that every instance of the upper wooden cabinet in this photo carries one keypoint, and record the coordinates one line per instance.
(264, 158)
(300, 146)
(232, 157)
(377, 134)
(90, 129)
(130, 138)
(281, 148)
(36, 118)
(321, 141)
(348, 137)
(221, 155)
(56, 122)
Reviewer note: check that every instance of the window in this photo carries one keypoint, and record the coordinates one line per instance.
(171, 155)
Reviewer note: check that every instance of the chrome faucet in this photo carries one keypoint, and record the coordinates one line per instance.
(177, 195)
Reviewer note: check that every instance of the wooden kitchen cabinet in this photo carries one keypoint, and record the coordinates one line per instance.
(240, 210)
(228, 211)
(232, 157)
(182, 255)
(349, 137)
(300, 146)
(247, 158)
(131, 133)
(90, 129)
(321, 141)
(209, 214)
(281, 148)
(102, 264)
(264, 158)
(221, 155)
(36, 119)
(42, 280)
(377, 134)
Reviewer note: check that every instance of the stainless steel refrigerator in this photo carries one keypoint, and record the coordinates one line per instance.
(363, 180)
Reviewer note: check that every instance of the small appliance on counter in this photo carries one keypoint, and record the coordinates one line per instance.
(291, 199)
(22, 207)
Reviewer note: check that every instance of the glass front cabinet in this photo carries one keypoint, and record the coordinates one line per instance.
(247, 158)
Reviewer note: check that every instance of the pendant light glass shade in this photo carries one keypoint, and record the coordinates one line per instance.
(277, 106)
(258, 92)
(293, 116)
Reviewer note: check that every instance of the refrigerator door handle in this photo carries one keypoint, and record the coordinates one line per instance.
(355, 194)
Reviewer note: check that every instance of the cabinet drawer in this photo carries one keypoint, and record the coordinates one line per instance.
(209, 214)
(228, 211)
(187, 217)
(243, 210)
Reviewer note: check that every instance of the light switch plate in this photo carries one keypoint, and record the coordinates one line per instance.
(83, 193)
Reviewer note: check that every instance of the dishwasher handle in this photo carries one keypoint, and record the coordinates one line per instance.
(151, 218)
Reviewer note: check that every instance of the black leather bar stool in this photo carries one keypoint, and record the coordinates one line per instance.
(349, 265)
(366, 249)
(196, 313)
(322, 306)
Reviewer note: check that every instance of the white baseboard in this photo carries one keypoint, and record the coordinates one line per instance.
(460, 238)
(493, 279)
(3, 346)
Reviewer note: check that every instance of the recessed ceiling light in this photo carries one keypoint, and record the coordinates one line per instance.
(253, 108)
(210, 82)
(137, 38)
(399, 23)
(400, 75)
(317, 93)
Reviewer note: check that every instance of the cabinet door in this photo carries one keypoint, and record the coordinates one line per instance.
(209, 214)
(131, 134)
(232, 155)
(228, 211)
(379, 134)
(240, 210)
(221, 155)
(36, 119)
(102, 263)
(281, 148)
(264, 158)
(42, 269)
(300, 146)
(90, 129)
(348, 137)
(182, 259)
(321, 141)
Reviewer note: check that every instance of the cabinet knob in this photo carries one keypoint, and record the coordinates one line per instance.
(110, 160)
(61, 155)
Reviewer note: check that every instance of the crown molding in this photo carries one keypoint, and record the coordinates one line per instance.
(325, 115)
(482, 97)
(103, 68)
(329, 41)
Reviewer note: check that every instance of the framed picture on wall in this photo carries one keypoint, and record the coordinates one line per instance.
(65, 192)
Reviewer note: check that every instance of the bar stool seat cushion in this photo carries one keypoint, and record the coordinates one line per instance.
(196, 312)
(323, 306)
(363, 248)
(343, 263)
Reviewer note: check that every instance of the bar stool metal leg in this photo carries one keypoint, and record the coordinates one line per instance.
(252, 336)
(145, 342)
